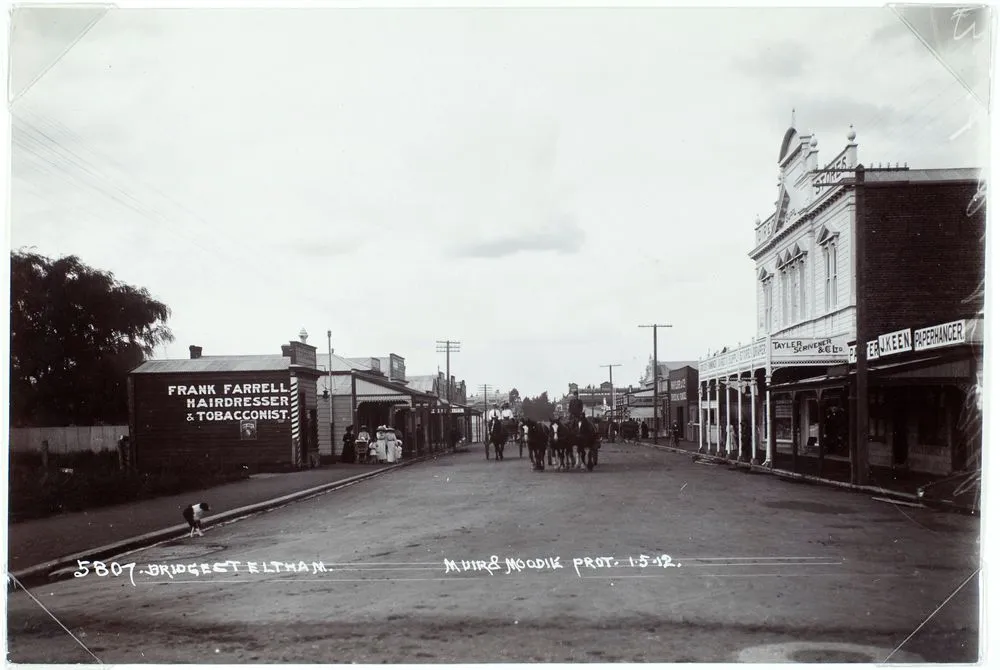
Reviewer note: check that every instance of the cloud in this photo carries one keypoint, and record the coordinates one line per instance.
(781, 60)
(566, 237)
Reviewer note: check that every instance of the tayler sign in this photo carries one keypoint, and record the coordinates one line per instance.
(808, 350)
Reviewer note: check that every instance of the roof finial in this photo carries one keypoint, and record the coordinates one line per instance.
(793, 118)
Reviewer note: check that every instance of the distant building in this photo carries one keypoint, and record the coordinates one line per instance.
(597, 400)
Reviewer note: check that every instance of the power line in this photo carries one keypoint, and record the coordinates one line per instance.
(48, 155)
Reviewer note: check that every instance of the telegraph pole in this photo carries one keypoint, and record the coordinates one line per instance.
(611, 380)
(446, 347)
(656, 379)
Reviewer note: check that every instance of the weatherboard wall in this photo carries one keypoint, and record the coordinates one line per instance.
(169, 431)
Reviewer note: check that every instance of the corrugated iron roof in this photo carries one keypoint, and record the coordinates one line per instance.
(215, 364)
(421, 383)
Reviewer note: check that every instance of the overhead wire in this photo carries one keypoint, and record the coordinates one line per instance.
(82, 172)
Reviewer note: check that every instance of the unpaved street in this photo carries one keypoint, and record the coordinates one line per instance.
(755, 561)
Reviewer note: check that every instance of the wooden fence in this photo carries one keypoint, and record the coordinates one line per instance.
(64, 440)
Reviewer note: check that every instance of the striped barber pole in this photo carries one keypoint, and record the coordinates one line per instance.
(296, 452)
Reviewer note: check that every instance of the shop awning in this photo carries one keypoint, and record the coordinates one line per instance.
(918, 369)
(371, 391)
(386, 399)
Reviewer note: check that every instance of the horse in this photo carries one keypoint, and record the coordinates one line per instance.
(552, 449)
(560, 443)
(586, 440)
(498, 438)
(538, 439)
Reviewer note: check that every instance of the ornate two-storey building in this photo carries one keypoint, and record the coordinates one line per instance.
(785, 397)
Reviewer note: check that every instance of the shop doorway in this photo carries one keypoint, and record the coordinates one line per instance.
(900, 429)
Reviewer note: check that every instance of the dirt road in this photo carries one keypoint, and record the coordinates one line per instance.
(675, 561)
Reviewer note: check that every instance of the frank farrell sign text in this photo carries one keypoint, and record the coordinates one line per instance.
(268, 401)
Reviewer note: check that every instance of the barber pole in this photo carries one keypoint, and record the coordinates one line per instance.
(296, 451)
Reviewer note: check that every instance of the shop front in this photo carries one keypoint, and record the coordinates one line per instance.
(923, 409)
(682, 410)
(924, 400)
(225, 412)
(363, 400)
(753, 404)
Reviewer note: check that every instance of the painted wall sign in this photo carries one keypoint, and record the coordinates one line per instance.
(809, 347)
(397, 367)
(948, 334)
(827, 178)
(943, 335)
(234, 402)
(749, 356)
(895, 343)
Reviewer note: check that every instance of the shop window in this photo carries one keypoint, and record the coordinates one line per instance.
(802, 288)
(830, 257)
(783, 418)
(784, 298)
(812, 421)
(795, 271)
(932, 417)
(877, 416)
(768, 286)
(835, 429)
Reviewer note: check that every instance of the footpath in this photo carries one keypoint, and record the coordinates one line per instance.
(691, 448)
(39, 547)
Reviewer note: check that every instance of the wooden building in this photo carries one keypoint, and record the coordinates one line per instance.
(226, 412)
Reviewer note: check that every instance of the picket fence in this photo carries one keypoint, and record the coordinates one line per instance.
(70, 439)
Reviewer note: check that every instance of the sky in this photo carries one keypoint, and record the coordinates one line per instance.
(533, 183)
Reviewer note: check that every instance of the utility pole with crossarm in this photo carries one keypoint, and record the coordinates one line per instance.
(656, 379)
(611, 380)
(446, 347)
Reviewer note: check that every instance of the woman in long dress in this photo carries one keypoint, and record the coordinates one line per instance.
(390, 445)
(380, 439)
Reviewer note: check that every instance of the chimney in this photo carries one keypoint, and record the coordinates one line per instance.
(195, 351)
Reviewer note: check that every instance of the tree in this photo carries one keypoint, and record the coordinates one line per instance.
(75, 334)
(539, 409)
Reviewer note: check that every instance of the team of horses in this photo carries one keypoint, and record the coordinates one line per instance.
(568, 445)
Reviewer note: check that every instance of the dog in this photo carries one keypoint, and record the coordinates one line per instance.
(193, 515)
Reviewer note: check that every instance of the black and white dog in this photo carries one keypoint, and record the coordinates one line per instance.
(193, 515)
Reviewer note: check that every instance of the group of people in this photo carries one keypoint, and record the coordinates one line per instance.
(387, 447)
(629, 429)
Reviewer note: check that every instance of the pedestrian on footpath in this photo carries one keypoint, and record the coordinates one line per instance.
(644, 430)
(347, 455)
